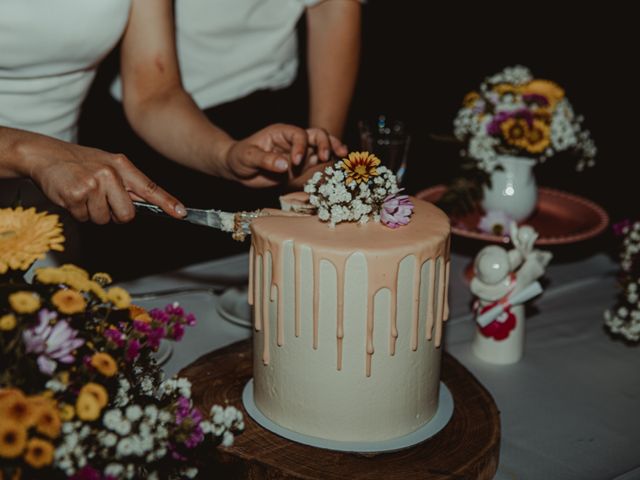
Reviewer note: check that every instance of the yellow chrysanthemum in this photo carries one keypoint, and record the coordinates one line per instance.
(87, 407)
(360, 166)
(470, 98)
(104, 363)
(13, 438)
(538, 137)
(119, 297)
(102, 278)
(24, 302)
(15, 406)
(97, 391)
(49, 275)
(68, 301)
(39, 453)
(139, 314)
(67, 412)
(98, 291)
(7, 322)
(25, 236)
(548, 89)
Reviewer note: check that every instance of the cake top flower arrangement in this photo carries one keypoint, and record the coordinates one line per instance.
(359, 189)
(81, 395)
(514, 113)
(623, 320)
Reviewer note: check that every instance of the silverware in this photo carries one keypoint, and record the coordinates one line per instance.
(236, 223)
(176, 291)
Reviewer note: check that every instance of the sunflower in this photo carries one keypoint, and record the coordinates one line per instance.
(139, 314)
(7, 322)
(104, 363)
(16, 407)
(24, 302)
(25, 236)
(360, 166)
(514, 131)
(39, 453)
(97, 391)
(119, 297)
(68, 301)
(538, 137)
(13, 437)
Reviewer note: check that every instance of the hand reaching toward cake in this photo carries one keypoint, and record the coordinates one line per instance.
(263, 159)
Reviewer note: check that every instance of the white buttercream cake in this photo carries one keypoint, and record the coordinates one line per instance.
(348, 319)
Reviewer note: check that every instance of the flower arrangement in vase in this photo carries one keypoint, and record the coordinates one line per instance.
(511, 123)
(81, 394)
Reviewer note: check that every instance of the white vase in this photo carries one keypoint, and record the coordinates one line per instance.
(513, 188)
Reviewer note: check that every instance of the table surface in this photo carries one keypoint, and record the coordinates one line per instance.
(569, 408)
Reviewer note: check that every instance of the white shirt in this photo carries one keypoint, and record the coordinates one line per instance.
(230, 48)
(49, 51)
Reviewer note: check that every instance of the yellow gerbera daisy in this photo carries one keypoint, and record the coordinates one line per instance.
(39, 453)
(67, 412)
(360, 166)
(104, 363)
(119, 297)
(25, 236)
(87, 407)
(13, 438)
(15, 406)
(97, 391)
(68, 301)
(24, 302)
(7, 322)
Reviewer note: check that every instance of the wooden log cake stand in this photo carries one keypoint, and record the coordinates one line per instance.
(467, 448)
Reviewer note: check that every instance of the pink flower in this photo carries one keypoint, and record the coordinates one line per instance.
(55, 343)
(396, 210)
(133, 350)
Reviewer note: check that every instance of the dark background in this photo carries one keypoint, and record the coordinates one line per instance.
(419, 59)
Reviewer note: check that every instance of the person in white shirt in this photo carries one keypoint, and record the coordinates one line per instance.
(48, 55)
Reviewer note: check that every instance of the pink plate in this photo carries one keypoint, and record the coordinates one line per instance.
(560, 218)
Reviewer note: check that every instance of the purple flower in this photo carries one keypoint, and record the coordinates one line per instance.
(142, 327)
(178, 332)
(115, 336)
(159, 315)
(396, 210)
(191, 319)
(621, 227)
(154, 337)
(174, 309)
(133, 350)
(87, 473)
(55, 343)
(495, 222)
(536, 98)
(500, 117)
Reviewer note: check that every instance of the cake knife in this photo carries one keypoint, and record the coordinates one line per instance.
(237, 223)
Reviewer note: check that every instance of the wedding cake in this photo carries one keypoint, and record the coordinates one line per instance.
(348, 306)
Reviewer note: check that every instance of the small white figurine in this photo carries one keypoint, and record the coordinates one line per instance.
(503, 281)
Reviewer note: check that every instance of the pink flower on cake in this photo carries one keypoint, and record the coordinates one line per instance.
(396, 210)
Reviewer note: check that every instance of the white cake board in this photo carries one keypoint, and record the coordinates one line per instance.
(438, 422)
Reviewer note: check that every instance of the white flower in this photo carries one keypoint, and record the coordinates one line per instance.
(123, 428)
(124, 448)
(191, 472)
(133, 412)
(109, 440)
(227, 439)
(114, 469)
(112, 419)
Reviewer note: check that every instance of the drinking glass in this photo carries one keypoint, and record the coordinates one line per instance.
(387, 139)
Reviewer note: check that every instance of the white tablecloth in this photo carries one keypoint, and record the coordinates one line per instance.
(569, 410)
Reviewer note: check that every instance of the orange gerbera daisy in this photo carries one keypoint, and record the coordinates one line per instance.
(16, 407)
(39, 453)
(47, 418)
(13, 438)
(68, 301)
(104, 363)
(360, 166)
(97, 391)
(25, 236)
(87, 407)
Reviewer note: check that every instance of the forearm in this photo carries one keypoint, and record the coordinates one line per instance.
(19, 152)
(333, 28)
(174, 125)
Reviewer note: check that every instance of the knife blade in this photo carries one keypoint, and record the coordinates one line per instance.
(236, 223)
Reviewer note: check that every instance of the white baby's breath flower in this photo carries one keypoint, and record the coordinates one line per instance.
(133, 412)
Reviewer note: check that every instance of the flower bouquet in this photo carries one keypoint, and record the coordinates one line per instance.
(81, 394)
(623, 319)
(511, 123)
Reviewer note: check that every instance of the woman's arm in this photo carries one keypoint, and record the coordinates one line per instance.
(91, 184)
(163, 113)
(333, 51)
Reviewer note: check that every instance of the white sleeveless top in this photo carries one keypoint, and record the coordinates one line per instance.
(231, 48)
(49, 51)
